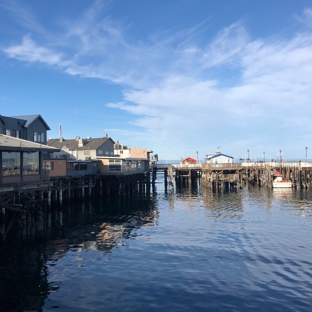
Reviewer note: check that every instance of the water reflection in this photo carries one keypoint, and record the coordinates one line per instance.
(99, 225)
(184, 250)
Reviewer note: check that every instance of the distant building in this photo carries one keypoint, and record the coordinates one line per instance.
(126, 151)
(188, 161)
(29, 127)
(219, 158)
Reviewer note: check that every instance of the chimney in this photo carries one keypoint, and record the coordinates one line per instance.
(80, 142)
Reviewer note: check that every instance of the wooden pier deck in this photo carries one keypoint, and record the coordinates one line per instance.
(237, 174)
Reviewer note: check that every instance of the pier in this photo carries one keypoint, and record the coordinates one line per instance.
(218, 176)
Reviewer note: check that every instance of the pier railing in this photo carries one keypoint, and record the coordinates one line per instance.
(187, 166)
(237, 166)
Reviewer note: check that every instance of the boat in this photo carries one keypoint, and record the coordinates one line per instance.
(280, 182)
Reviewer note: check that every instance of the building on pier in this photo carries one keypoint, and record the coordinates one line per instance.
(219, 158)
(21, 161)
(188, 161)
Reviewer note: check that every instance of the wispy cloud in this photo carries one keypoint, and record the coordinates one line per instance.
(306, 17)
(29, 51)
(23, 15)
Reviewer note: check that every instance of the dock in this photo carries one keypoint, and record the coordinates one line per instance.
(219, 176)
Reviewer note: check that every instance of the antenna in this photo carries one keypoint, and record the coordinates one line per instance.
(105, 135)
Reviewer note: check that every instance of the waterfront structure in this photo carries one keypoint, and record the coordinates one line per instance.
(88, 148)
(29, 127)
(219, 158)
(218, 176)
(21, 161)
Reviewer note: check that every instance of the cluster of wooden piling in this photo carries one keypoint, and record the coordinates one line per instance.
(27, 205)
(230, 176)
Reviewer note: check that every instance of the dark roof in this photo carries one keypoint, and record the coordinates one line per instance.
(217, 155)
(72, 144)
(1, 118)
(14, 121)
(30, 119)
(8, 143)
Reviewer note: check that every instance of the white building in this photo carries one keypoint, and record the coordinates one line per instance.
(218, 158)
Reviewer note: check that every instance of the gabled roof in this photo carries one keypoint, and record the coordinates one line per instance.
(14, 120)
(8, 143)
(218, 155)
(72, 144)
(30, 119)
(93, 144)
(2, 119)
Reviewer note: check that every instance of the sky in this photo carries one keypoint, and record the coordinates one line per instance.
(179, 77)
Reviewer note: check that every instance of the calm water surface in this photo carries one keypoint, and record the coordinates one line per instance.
(188, 250)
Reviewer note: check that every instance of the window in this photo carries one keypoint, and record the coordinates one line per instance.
(114, 165)
(11, 164)
(49, 165)
(8, 132)
(18, 134)
(100, 152)
(76, 166)
(38, 137)
(106, 153)
(83, 166)
(31, 163)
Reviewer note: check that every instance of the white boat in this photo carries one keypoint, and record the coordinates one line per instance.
(279, 182)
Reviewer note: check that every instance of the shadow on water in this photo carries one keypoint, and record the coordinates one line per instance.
(97, 224)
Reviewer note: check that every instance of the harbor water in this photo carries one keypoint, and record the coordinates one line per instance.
(180, 250)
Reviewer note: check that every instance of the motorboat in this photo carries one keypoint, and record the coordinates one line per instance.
(280, 182)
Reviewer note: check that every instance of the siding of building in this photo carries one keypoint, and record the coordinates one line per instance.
(55, 167)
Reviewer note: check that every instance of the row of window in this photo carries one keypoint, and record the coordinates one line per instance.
(36, 136)
(13, 133)
(101, 152)
(114, 165)
(11, 163)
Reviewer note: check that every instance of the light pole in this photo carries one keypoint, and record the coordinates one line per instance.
(306, 152)
(263, 156)
(197, 157)
(280, 155)
(248, 155)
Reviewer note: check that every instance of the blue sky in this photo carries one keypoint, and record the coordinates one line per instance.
(175, 76)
